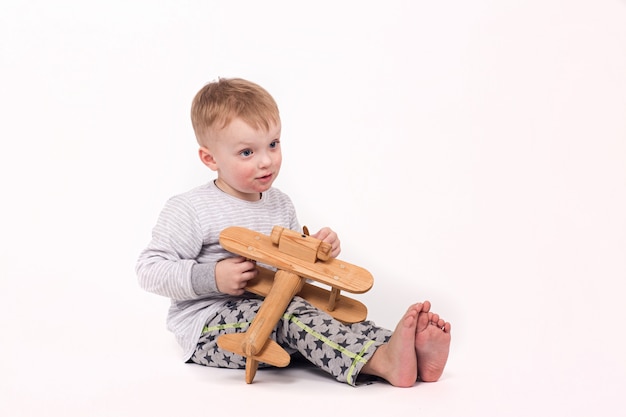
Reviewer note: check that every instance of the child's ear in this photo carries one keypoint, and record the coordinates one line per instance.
(207, 158)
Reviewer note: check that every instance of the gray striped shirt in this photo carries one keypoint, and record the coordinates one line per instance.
(179, 262)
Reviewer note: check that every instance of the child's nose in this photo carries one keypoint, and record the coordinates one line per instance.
(265, 159)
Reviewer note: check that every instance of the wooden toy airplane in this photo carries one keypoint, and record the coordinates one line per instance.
(298, 258)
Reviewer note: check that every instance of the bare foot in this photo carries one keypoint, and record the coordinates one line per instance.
(432, 344)
(396, 361)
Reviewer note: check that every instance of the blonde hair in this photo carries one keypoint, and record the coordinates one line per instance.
(219, 102)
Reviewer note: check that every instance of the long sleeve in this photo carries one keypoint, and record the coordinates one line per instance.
(165, 266)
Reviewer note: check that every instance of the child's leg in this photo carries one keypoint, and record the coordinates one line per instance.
(234, 318)
(338, 349)
(341, 350)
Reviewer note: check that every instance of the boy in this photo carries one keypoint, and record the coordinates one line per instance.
(238, 128)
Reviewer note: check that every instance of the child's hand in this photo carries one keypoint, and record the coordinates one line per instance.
(232, 274)
(327, 235)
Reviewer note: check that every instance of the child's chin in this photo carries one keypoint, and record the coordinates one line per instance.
(265, 185)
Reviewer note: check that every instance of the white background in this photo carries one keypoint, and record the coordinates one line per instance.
(468, 152)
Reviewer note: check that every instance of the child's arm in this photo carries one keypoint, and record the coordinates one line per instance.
(166, 266)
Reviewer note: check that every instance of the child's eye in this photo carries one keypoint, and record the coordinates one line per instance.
(245, 152)
(274, 144)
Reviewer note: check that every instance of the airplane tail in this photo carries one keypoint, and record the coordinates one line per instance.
(271, 353)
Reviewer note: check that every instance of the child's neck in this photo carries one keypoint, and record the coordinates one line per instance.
(242, 196)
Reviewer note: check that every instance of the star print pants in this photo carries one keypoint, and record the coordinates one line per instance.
(338, 349)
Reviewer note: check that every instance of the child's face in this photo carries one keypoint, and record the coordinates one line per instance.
(247, 160)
